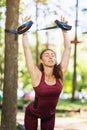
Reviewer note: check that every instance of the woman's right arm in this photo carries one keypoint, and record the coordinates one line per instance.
(35, 73)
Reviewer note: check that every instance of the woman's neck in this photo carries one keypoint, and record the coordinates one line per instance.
(49, 77)
(48, 72)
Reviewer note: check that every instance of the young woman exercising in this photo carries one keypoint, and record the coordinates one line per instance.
(47, 82)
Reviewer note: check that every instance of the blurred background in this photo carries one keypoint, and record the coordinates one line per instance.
(15, 83)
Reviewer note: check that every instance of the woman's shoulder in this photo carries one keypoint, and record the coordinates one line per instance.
(39, 80)
(60, 81)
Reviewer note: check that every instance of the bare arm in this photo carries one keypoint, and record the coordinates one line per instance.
(32, 68)
(66, 52)
(67, 49)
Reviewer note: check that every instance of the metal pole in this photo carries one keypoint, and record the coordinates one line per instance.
(75, 55)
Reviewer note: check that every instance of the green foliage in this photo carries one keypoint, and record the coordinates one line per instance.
(82, 83)
(1, 56)
(2, 3)
(82, 65)
(67, 104)
(2, 18)
(68, 82)
(41, 1)
(23, 74)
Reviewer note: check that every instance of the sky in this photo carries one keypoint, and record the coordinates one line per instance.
(64, 7)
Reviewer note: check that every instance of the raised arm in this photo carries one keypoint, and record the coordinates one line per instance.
(67, 50)
(32, 68)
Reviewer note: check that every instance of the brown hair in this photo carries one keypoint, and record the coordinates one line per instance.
(57, 72)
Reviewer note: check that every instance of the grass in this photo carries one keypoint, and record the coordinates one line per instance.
(68, 108)
(67, 104)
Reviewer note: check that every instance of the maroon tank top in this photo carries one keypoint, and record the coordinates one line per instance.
(46, 98)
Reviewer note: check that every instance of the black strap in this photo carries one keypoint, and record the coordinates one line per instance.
(35, 105)
(63, 25)
(48, 28)
(11, 31)
(26, 26)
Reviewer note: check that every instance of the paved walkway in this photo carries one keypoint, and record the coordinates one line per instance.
(77, 122)
(71, 123)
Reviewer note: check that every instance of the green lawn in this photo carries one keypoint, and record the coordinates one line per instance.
(67, 104)
(68, 108)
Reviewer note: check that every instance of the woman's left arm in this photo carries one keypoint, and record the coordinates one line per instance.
(66, 52)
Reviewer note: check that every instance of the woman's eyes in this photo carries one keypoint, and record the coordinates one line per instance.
(53, 55)
(47, 55)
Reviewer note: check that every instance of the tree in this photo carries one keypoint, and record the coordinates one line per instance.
(37, 42)
(9, 108)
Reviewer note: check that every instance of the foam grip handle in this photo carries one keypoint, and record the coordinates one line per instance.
(63, 25)
(24, 27)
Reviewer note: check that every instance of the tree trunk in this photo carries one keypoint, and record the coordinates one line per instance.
(9, 108)
(75, 55)
(74, 74)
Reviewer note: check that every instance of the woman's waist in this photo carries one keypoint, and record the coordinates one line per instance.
(48, 102)
(42, 112)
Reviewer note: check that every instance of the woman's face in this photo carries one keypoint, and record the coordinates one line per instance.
(48, 58)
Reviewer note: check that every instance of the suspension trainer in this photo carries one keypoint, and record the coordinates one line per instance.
(27, 25)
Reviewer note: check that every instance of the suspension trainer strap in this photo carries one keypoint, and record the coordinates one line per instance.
(11, 31)
(25, 27)
(48, 28)
(63, 25)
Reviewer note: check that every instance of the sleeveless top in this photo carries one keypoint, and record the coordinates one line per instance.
(46, 98)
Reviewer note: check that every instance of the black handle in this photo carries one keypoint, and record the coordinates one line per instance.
(24, 27)
(63, 25)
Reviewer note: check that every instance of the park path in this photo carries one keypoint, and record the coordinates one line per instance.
(75, 122)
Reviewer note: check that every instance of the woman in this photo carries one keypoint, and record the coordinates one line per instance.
(47, 83)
